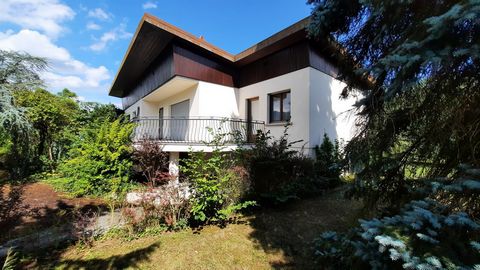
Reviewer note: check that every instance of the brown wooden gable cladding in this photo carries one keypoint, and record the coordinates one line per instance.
(178, 60)
(282, 62)
(278, 41)
(160, 71)
(318, 59)
(160, 51)
(141, 55)
(194, 64)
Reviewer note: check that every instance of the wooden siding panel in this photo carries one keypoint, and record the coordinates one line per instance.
(142, 54)
(282, 62)
(178, 59)
(192, 65)
(320, 62)
(157, 74)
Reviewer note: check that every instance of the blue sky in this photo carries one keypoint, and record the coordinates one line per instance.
(85, 41)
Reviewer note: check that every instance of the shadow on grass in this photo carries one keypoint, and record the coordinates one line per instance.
(290, 230)
(132, 260)
(277, 235)
(197, 229)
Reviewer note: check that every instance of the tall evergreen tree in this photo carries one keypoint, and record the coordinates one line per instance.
(18, 71)
(417, 65)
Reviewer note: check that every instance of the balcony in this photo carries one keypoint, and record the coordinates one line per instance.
(197, 130)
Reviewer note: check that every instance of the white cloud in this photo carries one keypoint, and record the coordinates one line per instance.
(117, 33)
(64, 70)
(100, 14)
(93, 26)
(149, 5)
(34, 43)
(46, 16)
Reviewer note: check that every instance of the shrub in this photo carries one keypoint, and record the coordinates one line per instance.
(279, 181)
(270, 162)
(100, 162)
(239, 186)
(174, 207)
(150, 159)
(328, 161)
(280, 174)
(166, 206)
(218, 191)
(426, 234)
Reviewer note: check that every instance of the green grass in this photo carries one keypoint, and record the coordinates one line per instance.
(213, 248)
(272, 238)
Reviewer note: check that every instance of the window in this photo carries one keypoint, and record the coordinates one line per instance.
(280, 107)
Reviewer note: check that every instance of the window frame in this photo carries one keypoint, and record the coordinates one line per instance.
(283, 95)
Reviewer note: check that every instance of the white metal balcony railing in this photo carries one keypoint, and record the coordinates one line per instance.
(196, 130)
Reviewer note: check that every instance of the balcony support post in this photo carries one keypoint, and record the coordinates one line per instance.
(173, 165)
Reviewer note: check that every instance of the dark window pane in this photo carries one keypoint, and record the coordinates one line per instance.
(286, 107)
(275, 113)
(280, 107)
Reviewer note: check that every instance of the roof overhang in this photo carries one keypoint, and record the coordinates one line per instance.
(278, 41)
(153, 35)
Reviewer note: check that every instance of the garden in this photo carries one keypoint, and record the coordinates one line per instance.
(402, 194)
(73, 179)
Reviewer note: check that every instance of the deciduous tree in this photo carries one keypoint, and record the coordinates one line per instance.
(50, 115)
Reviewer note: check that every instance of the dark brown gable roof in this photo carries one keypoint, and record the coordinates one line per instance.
(186, 36)
(153, 35)
(278, 41)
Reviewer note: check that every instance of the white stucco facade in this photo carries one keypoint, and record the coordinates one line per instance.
(298, 84)
(205, 99)
(328, 112)
(316, 107)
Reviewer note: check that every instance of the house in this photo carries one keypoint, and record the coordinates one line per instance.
(174, 85)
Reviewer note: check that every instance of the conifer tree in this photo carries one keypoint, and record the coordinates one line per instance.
(18, 71)
(417, 64)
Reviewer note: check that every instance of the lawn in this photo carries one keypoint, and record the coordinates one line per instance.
(270, 238)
